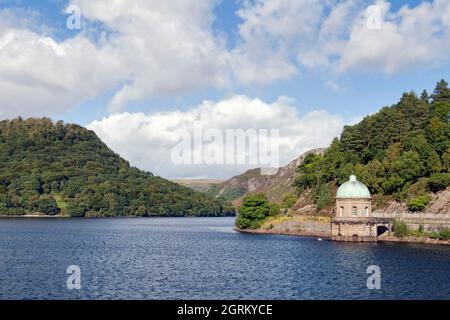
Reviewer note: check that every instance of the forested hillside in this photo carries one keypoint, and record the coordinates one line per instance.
(401, 153)
(55, 168)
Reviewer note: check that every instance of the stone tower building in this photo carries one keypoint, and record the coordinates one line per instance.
(352, 220)
(353, 199)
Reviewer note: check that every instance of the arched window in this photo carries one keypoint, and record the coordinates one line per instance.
(341, 211)
(354, 211)
(366, 210)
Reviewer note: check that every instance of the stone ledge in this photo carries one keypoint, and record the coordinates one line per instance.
(355, 239)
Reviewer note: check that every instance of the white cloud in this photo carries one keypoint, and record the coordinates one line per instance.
(147, 140)
(148, 49)
(167, 47)
(39, 76)
(410, 38)
(269, 31)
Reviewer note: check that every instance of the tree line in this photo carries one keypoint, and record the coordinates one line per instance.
(401, 152)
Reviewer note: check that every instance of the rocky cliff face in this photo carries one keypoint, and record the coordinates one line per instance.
(274, 186)
(440, 204)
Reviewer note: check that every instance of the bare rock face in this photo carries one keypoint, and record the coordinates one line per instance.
(274, 186)
(440, 204)
(305, 204)
(393, 208)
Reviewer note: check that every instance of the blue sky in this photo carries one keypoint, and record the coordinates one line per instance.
(361, 93)
(151, 61)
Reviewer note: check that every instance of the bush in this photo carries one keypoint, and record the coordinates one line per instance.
(419, 203)
(443, 234)
(323, 196)
(434, 235)
(254, 209)
(289, 199)
(420, 229)
(438, 182)
(400, 229)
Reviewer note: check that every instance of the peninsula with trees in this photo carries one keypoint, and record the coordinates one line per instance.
(401, 153)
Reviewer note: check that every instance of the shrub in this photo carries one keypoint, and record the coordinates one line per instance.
(444, 234)
(255, 224)
(420, 229)
(289, 199)
(419, 203)
(400, 229)
(438, 182)
(254, 209)
(323, 196)
(434, 235)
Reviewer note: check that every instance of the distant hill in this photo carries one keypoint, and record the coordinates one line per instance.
(276, 186)
(56, 168)
(200, 185)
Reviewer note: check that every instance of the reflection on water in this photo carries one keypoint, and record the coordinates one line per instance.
(203, 258)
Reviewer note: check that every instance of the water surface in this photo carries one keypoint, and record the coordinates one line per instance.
(203, 258)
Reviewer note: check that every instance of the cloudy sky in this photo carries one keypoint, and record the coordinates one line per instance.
(136, 71)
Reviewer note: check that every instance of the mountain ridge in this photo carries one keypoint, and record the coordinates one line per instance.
(274, 186)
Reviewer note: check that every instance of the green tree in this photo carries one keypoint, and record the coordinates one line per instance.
(419, 203)
(253, 210)
(408, 166)
(446, 160)
(425, 97)
(441, 92)
(438, 182)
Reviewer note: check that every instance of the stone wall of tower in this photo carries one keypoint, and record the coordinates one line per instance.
(345, 208)
(354, 230)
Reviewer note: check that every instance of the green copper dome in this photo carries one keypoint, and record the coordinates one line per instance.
(353, 189)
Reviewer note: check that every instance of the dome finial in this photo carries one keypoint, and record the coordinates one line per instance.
(352, 177)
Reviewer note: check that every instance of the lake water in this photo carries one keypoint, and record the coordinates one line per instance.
(203, 258)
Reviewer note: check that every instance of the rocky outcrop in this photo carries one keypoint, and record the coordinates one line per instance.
(440, 204)
(274, 186)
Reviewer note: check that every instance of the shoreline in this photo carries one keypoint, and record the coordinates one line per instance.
(323, 236)
(284, 233)
(34, 216)
(112, 217)
(296, 233)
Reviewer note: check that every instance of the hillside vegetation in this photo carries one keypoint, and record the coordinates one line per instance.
(401, 153)
(55, 168)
